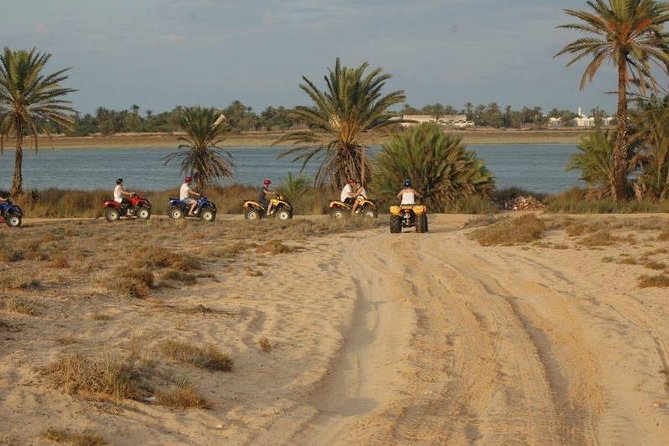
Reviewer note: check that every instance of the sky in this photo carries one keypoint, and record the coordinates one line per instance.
(162, 53)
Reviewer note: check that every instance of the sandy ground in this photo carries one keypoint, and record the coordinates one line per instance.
(380, 339)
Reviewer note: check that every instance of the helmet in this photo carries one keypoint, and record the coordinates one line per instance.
(351, 181)
(267, 182)
(119, 181)
(407, 183)
(188, 179)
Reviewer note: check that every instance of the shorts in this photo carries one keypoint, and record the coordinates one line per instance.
(189, 200)
(349, 200)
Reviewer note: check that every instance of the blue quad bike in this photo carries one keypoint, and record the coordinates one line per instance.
(204, 210)
(11, 214)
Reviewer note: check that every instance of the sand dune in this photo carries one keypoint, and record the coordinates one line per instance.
(383, 339)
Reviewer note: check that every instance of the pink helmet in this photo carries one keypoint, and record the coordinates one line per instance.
(188, 179)
(267, 181)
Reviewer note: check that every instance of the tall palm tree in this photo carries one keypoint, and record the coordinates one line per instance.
(30, 101)
(629, 34)
(351, 105)
(201, 157)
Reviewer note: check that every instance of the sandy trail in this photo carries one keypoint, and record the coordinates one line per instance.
(379, 339)
(452, 343)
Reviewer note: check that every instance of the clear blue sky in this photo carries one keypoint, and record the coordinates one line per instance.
(163, 53)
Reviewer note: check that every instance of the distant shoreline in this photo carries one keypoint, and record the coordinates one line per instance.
(266, 139)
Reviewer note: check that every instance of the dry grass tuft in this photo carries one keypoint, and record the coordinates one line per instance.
(265, 345)
(179, 276)
(59, 261)
(210, 358)
(652, 264)
(159, 257)
(18, 281)
(21, 306)
(182, 396)
(601, 238)
(524, 229)
(660, 281)
(75, 439)
(663, 236)
(130, 282)
(275, 247)
(108, 377)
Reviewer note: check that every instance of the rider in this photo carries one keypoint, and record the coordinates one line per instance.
(408, 194)
(185, 195)
(347, 193)
(119, 192)
(263, 193)
(359, 195)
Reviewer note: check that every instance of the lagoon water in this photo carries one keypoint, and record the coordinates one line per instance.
(535, 167)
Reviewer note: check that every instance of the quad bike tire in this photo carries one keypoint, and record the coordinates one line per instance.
(144, 213)
(208, 215)
(112, 214)
(369, 212)
(253, 214)
(175, 213)
(13, 221)
(395, 224)
(337, 214)
(284, 214)
(421, 223)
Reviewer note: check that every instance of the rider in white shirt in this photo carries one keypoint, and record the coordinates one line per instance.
(348, 193)
(408, 194)
(185, 195)
(119, 192)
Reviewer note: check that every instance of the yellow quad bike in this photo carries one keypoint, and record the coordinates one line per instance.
(407, 216)
(281, 209)
(366, 208)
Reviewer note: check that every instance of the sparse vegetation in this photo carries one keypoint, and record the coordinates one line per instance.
(210, 357)
(182, 396)
(21, 306)
(524, 229)
(660, 280)
(65, 436)
(265, 345)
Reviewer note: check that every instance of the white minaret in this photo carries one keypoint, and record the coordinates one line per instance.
(580, 115)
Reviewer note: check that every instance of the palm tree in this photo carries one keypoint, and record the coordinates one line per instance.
(30, 101)
(439, 165)
(352, 105)
(651, 124)
(201, 157)
(629, 34)
(595, 161)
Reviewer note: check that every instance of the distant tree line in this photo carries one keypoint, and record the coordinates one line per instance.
(241, 117)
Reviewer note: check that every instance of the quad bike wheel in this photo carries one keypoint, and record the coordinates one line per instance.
(252, 214)
(143, 213)
(208, 215)
(421, 223)
(337, 213)
(284, 214)
(395, 224)
(175, 213)
(112, 214)
(369, 212)
(13, 221)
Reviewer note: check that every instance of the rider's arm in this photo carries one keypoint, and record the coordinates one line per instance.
(399, 194)
(416, 193)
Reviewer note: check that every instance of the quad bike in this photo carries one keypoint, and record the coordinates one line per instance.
(366, 208)
(138, 207)
(407, 216)
(11, 214)
(281, 209)
(204, 209)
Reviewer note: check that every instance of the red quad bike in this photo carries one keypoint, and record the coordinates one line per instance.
(138, 207)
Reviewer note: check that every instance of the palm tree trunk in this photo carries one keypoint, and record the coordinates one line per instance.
(619, 186)
(17, 179)
(362, 165)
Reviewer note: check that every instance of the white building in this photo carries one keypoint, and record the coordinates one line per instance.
(457, 121)
(589, 121)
